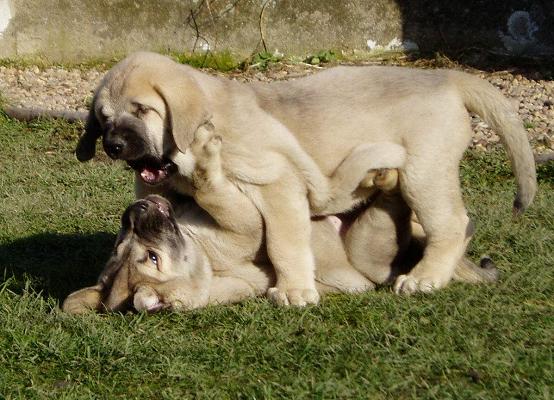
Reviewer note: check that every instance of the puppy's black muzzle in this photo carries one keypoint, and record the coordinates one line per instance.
(125, 138)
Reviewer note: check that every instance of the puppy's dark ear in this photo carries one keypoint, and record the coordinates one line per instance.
(186, 108)
(86, 148)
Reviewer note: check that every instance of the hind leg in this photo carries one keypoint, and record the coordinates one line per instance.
(379, 237)
(334, 273)
(437, 201)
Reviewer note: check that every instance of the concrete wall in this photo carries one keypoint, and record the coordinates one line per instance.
(74, 30)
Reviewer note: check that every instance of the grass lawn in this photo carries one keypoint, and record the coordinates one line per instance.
(58, 219)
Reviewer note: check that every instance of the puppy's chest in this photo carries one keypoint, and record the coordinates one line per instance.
(224, 252)
(181, 182)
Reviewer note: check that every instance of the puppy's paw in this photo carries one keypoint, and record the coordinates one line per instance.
(369, 180)
(83, 301)
(146, 299)
(386, 179)
(206, 145)
(202, 136)
(293, 297)
(318, 199)
(408, 284)
(213, 145)
(207, 153)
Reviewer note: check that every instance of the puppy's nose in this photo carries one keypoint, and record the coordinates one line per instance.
(142, 206)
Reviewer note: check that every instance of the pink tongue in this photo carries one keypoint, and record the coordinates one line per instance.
(152, 176)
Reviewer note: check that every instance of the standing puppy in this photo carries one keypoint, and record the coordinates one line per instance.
(148, 108)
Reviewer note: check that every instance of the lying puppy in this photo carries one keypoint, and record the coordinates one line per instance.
(186, 260)
(159, 264)
(283, 139)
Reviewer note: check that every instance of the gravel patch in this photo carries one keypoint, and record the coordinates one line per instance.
(57, 88)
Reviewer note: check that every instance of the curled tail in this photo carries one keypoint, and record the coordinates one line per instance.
(482, 98)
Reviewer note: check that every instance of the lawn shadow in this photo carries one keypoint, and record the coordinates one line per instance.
(56, 264)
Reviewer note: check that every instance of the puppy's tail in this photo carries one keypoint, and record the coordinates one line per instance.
(467, 271)
(482, 98)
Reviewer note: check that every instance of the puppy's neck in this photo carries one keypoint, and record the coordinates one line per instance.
(186, 162)
(180, 181)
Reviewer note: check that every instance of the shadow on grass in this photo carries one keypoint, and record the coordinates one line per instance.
(55, 264)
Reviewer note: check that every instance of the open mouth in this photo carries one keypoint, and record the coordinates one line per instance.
(153, 171)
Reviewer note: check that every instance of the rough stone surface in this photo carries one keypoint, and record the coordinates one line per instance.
(57, 88)
(70, 30)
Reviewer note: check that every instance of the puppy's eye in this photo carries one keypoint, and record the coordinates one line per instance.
(153, 257)
(142, 110)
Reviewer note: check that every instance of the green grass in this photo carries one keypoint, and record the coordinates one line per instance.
(58, 219)
(221, 60)
(528, 124)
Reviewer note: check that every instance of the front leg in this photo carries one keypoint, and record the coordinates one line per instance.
(286, 213)
(249, 281)
(215, 193)
(84, 300)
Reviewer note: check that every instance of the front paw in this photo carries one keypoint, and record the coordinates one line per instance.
(293, 297)
(206, 146)
(83, 301)
(384, 179)
(207, 152)
(410, 284)
(147, 299)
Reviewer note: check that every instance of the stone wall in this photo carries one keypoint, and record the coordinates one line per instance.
(74, 30)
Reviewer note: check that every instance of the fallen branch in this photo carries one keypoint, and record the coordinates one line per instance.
(544, 158)
(261, 25)
(32, 113)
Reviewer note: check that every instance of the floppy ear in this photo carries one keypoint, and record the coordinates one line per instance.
(87, 142)
(118, 296)
(84, 300)
(186, 109)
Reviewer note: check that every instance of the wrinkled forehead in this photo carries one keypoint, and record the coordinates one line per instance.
(149, 232)
(127, 91)
(129, 242)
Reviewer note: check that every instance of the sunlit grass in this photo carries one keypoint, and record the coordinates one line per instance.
(58, 219)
